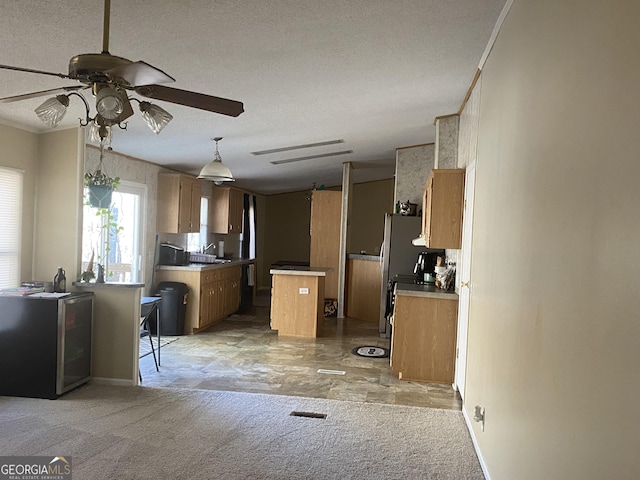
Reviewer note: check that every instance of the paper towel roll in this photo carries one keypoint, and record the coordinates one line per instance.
(221, 248)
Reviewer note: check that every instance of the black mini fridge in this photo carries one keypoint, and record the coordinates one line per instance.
(45, 344)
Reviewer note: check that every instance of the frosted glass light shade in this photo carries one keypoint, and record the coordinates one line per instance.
(216, 171)
(109, 104)
(155, 117)
(100, 133)
(52, 111)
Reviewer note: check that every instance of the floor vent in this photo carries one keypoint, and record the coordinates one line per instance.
(332, 372)
(308, 414)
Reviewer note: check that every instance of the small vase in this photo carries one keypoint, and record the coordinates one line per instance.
(100, 195)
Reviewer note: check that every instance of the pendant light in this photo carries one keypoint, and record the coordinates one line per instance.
(216, 171)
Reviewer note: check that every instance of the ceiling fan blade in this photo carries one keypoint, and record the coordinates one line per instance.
(138, 74)
(26, 96)
(31, 70)
(192, 99)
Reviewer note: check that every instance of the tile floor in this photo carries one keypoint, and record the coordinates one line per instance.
(242, 354)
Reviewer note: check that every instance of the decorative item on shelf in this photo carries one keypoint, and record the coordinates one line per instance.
(100, 184)
(215, 170)
(60, 281)
(407, 208)
(445, 274)
(100, 278)
(88, 274)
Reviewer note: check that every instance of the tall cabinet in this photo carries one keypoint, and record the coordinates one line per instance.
(326, 210)
(178, 203)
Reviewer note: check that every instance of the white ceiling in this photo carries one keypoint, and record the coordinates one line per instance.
(374, 73)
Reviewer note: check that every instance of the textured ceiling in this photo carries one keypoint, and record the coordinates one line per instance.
(374, 73)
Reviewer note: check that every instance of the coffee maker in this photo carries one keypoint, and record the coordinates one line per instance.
(425, 266)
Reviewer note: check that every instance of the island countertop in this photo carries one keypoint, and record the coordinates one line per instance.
(298, 270)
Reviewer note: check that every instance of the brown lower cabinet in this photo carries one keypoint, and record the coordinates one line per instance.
(423, 338)
(213, 293)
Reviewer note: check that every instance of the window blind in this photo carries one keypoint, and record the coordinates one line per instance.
(10, 226)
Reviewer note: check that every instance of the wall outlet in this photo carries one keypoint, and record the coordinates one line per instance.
(303, 291)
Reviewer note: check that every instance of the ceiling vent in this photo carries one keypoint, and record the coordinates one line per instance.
(298, 147)
(311, 157)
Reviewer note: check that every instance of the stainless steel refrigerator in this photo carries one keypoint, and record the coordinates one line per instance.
(397, 257)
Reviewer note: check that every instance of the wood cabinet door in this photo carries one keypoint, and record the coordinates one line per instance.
(195, 205)
(184, 205)
(423, 339)
(236, 206)
(219, 210)
(326, 211)
(442, 208)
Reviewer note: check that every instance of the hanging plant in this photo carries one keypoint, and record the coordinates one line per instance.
(100, 185)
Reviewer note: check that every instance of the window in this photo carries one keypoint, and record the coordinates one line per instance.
(10, 226)
(195, 241)
(116, 237)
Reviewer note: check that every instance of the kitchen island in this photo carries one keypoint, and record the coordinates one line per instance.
(297, 300)
(423, 338)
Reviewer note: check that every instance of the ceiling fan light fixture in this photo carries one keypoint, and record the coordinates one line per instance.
(100, 133)
(155, 117)
(216, 171)
(52, 111)
(108, 103)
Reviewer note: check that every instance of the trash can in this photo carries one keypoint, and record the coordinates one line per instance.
(173, 307)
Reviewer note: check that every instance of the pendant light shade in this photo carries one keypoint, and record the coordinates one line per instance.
(216, 171)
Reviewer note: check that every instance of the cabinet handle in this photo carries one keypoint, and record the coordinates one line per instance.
(464, 284)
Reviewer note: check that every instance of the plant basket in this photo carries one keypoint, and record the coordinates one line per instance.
(100, 195)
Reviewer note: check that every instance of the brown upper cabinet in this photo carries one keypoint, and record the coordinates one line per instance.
(178, 203)
(225, 211)
(442, 208)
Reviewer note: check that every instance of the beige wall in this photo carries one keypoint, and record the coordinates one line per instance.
(19, 150)
(58, 219)
(413, 165)
(369, 202)
(554, 335)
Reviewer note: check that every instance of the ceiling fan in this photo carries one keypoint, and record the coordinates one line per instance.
(110, 78)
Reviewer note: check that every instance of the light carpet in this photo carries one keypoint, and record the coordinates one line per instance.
(152, 433)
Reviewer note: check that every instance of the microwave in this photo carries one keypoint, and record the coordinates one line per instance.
(172, 255)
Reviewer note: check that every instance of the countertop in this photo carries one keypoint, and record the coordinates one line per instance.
(429, 291)
(359, 256)
(107, 285)
(304, 271)
(201, 267)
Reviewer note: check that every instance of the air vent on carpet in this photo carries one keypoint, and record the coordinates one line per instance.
(298, 147)
(308, 415)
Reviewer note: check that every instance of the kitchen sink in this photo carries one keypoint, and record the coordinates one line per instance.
(195, 257)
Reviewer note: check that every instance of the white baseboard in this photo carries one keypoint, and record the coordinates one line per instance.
(114, 382)
(485, 471)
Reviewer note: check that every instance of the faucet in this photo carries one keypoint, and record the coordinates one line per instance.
(204, 249)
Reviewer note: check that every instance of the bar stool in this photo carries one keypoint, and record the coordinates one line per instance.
(149, 306)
